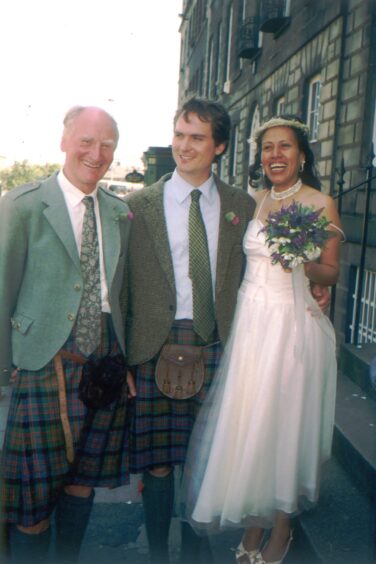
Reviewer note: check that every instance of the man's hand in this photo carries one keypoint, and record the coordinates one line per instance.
(321, 295)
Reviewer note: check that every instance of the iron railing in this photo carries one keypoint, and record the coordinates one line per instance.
(367, 184)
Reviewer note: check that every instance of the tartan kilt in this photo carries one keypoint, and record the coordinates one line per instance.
(160, 427)
(34, 466)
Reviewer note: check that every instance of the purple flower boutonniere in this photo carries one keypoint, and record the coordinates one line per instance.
(232, 218)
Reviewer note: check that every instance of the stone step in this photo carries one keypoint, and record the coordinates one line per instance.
(355, 363)
(341, 529)
(354, 442)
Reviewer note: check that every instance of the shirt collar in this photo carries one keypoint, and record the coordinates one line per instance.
(73, 194)
(184, 189)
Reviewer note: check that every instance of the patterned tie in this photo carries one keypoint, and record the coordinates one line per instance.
(199, 272)
(88, 325)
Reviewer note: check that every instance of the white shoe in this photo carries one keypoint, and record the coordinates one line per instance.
(260, 560)
(240, 551)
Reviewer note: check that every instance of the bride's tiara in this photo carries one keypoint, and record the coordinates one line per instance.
(279, 122)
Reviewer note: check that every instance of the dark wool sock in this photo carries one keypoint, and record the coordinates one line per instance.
(28, 549)
(158, 502)
(72, 517)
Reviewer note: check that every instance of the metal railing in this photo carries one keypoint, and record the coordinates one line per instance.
(358, 330)
(366, 328)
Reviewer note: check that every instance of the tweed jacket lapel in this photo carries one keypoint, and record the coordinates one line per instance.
(56, 213)
(229, 234)
(153, 213)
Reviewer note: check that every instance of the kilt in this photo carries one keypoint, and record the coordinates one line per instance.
(34, 466)
(161, 427)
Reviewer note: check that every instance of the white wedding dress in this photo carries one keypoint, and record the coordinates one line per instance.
(267, 423)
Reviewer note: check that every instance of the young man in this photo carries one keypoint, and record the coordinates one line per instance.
(62, 257)
(160, 302)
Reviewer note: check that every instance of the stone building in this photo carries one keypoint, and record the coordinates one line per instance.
(312, 58)
(315, 59)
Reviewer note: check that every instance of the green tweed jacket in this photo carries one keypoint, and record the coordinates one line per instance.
(40, 276)
(149, 296)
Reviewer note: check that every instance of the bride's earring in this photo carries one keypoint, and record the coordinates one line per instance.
(302, 165)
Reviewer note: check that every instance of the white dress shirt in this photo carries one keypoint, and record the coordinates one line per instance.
(177, 201)
(76, 209)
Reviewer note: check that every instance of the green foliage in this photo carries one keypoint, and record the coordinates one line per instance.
(23, 172)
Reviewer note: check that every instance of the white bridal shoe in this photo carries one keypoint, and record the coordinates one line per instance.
(250, 554)
(258, 559)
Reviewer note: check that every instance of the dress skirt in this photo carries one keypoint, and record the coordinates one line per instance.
(266, 426)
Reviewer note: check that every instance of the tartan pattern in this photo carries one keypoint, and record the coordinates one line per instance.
(161, 426)
(34, 465)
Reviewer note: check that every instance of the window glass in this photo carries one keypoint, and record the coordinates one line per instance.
(314, 106)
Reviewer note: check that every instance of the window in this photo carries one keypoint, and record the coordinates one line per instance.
(228, 44)
(209, 68)
(234, 151)
(314, 106)
(218, 54)
(242, 10)
(280, 106)
(255, 124)
(241, 20)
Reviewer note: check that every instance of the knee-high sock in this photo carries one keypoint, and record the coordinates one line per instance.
(72, 517)
(28, 548)
(158, 501)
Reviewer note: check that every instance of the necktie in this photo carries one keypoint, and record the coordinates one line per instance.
(88, 325)
(199, 272)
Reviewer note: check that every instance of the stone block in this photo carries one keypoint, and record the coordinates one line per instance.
(350, 88)
(354, 110)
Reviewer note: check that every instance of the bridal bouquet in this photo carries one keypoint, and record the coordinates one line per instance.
(296, 234)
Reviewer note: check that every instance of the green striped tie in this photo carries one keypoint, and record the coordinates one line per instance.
(199, 272)
(88, 325)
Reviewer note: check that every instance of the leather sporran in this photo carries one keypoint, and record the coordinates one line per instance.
(102, 381)
(180, 371)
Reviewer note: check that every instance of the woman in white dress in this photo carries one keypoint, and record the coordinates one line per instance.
(266, 428)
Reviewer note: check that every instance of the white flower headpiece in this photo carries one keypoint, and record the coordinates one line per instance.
(279, 122)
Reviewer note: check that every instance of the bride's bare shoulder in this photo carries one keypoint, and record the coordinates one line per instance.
(315, 198)
(259, 195)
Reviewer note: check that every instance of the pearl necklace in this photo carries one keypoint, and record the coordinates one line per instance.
(286, 193)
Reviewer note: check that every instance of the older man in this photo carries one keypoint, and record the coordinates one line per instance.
(62, 254)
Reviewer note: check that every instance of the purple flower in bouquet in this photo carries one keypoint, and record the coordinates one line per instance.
(296, 234)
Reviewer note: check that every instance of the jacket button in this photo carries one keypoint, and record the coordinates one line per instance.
(71, 316)
(77, 287)
(171, 308)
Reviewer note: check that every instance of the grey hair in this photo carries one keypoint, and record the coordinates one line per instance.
(73, 113)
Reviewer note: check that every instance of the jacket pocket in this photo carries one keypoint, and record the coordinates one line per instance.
(21, 323)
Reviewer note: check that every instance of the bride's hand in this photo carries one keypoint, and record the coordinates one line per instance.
(321, 295)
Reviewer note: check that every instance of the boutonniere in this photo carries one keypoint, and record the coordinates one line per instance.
(232, 218)
(125, 215)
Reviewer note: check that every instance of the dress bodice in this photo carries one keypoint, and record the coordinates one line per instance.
(273, 282)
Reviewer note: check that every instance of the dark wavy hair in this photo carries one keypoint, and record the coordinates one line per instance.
(309, 175)
(212, 112)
